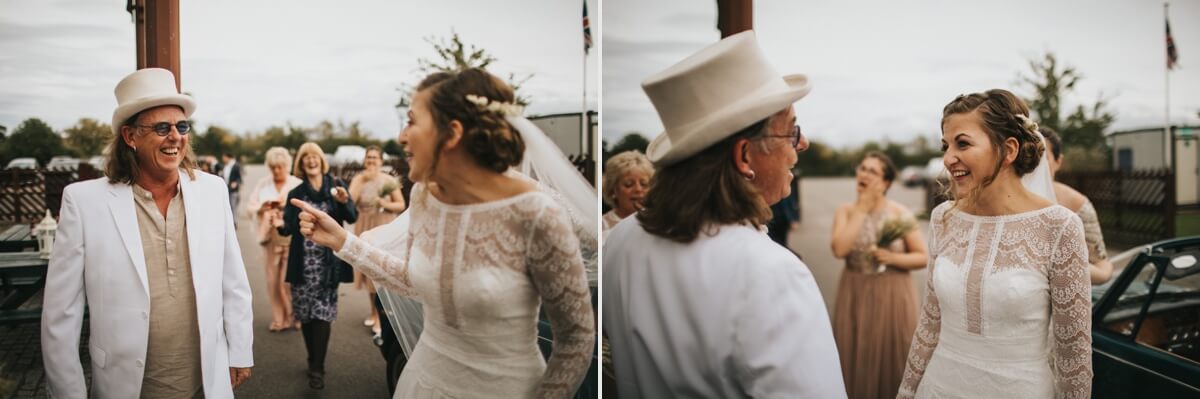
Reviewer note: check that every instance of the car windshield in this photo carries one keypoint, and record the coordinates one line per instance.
(1182, 281)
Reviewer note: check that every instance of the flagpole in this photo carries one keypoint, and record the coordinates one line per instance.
(583, 122)
(1167, 94)
(583, 115)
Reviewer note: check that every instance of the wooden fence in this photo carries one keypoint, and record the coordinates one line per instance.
(1134, 208)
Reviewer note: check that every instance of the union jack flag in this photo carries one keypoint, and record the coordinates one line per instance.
(587, 30)
(1172, 54)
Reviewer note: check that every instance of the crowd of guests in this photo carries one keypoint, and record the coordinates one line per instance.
(515, 243)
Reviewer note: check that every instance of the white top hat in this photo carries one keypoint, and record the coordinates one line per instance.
(715, 93)
(145, 89)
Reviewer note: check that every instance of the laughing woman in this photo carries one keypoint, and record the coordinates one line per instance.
(313, 270)
(626, 179)
(1007, 310)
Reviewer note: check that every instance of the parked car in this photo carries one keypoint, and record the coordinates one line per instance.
(349, 154)
(97, 162)
(63, 162)
(1146, 324)
(912, 176)
(935, 169)
(23, 163)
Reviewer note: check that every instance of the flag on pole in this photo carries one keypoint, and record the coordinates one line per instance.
(1172, 54)
(587, 30)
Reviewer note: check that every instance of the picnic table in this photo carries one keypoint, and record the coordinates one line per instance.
(18, 238)
(22, 275)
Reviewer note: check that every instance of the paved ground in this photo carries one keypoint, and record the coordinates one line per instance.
(354, 367)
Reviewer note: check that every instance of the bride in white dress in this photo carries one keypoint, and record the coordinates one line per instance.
(482, 249)
(1007, 312)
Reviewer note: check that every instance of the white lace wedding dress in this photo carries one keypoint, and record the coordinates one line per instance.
(1008, 308)
(481, 271)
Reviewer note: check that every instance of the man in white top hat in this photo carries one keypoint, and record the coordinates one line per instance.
(698, 301)
(150, 252)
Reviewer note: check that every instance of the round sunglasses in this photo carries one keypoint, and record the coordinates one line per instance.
(164, 128)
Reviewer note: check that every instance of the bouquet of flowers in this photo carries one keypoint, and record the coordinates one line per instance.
(388, 187)
(892, 229)
(895, 228)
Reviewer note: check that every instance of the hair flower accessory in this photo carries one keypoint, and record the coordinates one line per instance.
(502, 108)
(1027, 123)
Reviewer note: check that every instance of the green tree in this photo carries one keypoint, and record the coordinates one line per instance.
(1049, 83)
(34, 138)
(632, 141)
(88, 137)
(1083, 129)
(454, 55)
(215, 140)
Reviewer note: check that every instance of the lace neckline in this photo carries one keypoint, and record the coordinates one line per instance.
(485, 205)
(1004, 218)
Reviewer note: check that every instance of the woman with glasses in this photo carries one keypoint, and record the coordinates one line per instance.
(875, 312)
(380, 199)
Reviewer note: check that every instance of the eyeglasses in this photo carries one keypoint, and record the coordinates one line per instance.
(795, 135)
(164, 128)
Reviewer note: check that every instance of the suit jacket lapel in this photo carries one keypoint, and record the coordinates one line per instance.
(124, 216)
(192, 220)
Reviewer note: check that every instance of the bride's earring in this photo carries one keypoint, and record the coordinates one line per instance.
(750, 176)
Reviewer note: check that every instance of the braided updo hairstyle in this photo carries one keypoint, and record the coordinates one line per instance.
(1003, 116)
(487, 137)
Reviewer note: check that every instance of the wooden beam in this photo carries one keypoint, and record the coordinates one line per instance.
(734, 16)
(162, 36)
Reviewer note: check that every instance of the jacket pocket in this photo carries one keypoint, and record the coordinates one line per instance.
(99, 356)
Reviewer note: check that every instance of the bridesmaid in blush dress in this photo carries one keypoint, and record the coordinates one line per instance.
(875, 312)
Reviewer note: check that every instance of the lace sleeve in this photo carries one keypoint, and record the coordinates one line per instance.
(588, 244)
(929, 327)
(382, 267)
(1071, 303)
(1091, 232)
(556, 268)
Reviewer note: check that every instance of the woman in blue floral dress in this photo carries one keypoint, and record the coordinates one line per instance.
(312, 270)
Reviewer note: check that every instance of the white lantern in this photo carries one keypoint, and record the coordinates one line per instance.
(45, 235)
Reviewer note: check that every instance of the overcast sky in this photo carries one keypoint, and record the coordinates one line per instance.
(885, 69)
(254, 64)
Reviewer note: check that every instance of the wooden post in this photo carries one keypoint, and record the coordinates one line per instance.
(734, 16)
(157, 29)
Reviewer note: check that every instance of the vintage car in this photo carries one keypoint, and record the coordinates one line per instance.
(1146, 324)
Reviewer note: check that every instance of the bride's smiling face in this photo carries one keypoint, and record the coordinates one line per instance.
(969, 155)
(419, 137)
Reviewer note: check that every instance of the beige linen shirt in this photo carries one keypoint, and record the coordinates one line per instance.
(173, 350)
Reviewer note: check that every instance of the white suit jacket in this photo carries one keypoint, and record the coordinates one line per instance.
(98, 261)
(731, 315)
